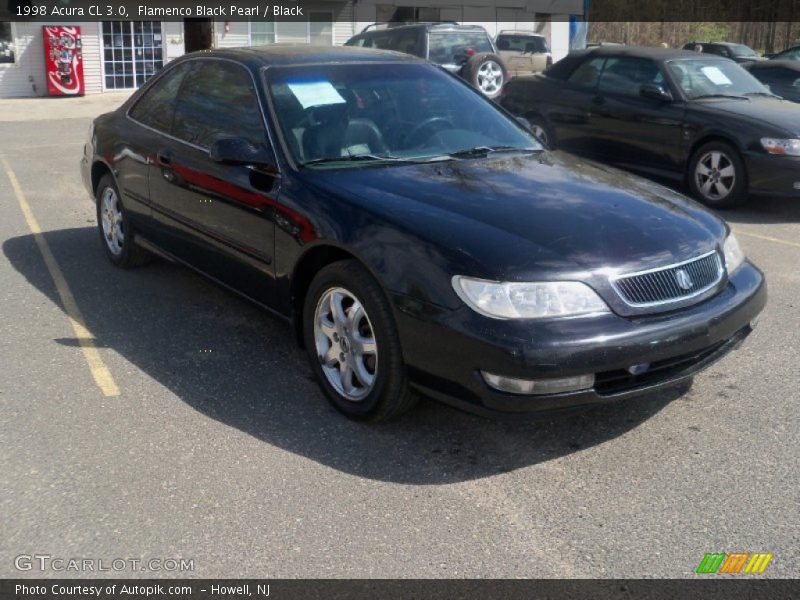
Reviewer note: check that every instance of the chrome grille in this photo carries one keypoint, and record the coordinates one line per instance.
(674, 283)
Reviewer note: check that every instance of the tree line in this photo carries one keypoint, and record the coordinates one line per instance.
(765, 37)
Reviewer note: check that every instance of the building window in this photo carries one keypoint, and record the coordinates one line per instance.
(132, 53)
(317, 30)
(321, 28)
(7, 55)
(389, 13)
(262, 32)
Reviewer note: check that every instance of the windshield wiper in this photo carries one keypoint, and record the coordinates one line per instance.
(484, 150)
(768, 94)
(354, 158)
(737, 97)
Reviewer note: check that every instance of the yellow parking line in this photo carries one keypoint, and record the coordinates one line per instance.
(766, 237)
(102, 376)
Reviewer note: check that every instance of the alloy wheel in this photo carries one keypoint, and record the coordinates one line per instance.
(345, 344)
(715, 175)
(490, 77)
(111, 217)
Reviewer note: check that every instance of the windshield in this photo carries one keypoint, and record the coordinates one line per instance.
(522, 43)
(389, 112)
(703, 77)
(742, 50)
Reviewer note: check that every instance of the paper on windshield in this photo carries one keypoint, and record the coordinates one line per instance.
(716, 76)
(315, 93)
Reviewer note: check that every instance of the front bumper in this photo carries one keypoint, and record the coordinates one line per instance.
(770, 175)
(446, 350)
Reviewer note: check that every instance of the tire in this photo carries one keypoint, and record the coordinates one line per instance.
(542, 132)
(487, 73)
(117, 235)
(378, 389)
(720, 164)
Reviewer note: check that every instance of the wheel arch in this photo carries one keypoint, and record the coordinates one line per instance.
(99, 170)
(311, 262)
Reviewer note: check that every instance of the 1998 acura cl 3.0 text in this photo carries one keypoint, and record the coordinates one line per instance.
(415, 234)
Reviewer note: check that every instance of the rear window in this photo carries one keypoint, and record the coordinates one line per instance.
(406, 40)
(450, 47)
(522, 43)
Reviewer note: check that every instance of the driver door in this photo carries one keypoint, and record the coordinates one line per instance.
(217, 217)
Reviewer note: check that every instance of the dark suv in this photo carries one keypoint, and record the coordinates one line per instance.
(466, 50)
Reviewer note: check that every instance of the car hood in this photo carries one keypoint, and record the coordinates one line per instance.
(518, 214)
(780, 114)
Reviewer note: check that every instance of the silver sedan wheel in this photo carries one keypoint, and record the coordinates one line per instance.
(715, 175)
(490, 77)
(111, 219)
(345, 343)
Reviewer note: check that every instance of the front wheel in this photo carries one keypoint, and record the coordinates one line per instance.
(352, 344)
(717, 176)
(541, 131)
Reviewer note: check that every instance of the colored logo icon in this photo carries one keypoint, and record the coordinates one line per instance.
(734, 563)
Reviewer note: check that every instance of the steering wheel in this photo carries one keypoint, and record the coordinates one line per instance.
(434, 124)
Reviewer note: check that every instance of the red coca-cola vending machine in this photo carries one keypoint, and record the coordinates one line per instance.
(63, 57)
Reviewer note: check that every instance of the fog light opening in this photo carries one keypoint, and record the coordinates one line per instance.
(534, 387)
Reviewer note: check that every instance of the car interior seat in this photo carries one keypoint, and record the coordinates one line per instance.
(334, 133)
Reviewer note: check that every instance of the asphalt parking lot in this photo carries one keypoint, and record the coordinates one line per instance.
(218, 446)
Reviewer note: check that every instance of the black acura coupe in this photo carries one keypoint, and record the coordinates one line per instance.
(674, 114)
(416, 235)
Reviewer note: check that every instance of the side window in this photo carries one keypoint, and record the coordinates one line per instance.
(718, 50)
(218, 100)
(588, 73)
(157, 106)
(627, 75)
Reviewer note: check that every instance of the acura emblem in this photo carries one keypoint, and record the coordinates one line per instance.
(683, 280)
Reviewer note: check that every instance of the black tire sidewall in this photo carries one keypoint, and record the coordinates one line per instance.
(738, 194)
(390, 381)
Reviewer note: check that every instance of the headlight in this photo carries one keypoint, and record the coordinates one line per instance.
(785, 147)
(734, 257)
(528, 300)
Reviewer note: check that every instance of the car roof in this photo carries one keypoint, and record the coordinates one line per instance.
(657, 54)
(519, 32)
(302, 54)
(792, 65)
(429, 26)
(715, 43)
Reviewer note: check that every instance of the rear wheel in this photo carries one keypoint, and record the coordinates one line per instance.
(116, 233)
(353, 346)
(717, 176)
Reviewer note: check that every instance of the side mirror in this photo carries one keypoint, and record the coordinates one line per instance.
(239, 151)
(655, 92)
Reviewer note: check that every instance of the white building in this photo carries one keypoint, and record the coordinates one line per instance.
(121, 55)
